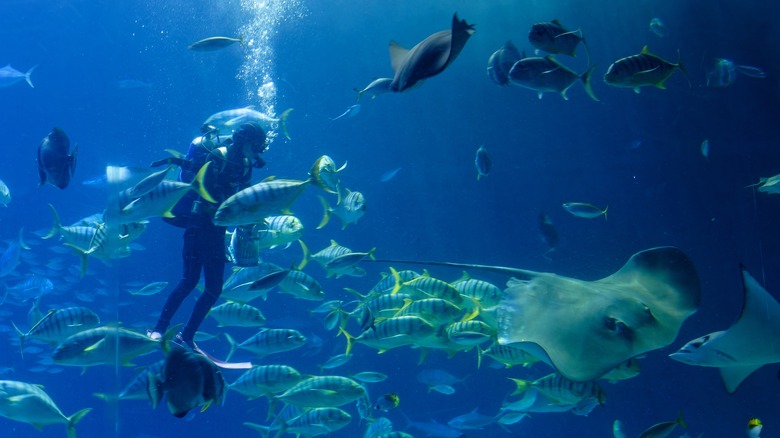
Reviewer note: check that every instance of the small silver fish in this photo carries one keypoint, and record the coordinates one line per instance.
(352, 111)
(483, 162)
(705, 149)
(10, 76)
(375, 88)
(214, 43)
(585, 210)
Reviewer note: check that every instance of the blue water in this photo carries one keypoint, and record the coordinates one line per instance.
(638, 153)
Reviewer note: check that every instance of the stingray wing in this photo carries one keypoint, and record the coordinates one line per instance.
(585, 329)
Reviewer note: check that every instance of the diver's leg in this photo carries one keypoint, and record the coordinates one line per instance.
(213, 255)
(190, 276)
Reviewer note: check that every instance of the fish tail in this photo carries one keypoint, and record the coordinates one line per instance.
(55, 226)
(349, 339)
(587, 49)
(359, 94)
(21, 240)
(153, 389)
(605, 212)
(233, 346)
(305, 259)
(283, 122)
(27, 76)
(21, 339)
(74, 419)
(262, 430)
(356, 293)
(586, 82)
(325, 213)
(682, 68)
(680, 420)
(480, 353)
(398, 282)
(522, 385)
(198, 183)
(84, 256)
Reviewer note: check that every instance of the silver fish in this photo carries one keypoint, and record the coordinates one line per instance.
(585, 210)
(375, 88)
(548, 75)
(214, 43)
(10, 76)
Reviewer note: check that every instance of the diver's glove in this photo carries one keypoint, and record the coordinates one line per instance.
(181, 162)
(258, 163)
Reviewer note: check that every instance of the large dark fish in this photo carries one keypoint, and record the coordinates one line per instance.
(430, 56)
(55, 164)
(501, 61)
(553, 38)
(189, 380)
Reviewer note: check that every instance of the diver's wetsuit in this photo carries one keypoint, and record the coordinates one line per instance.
(204, 243)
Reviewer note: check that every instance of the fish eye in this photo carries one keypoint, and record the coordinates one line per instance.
(617, 327)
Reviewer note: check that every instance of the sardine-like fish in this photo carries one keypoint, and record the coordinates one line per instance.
(430, 56)
(641, 70)
(56, 163)
(548, 75)
(501, 61)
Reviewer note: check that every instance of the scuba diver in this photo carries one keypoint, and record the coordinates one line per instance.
(204, 243)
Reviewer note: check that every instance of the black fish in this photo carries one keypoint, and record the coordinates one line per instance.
(501, 61)
(55, 165)
(429, 57)
(189, 380)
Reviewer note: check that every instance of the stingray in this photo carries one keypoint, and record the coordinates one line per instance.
(584, 329)
(750, 343)
(429, 57)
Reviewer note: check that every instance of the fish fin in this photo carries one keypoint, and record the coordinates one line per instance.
(74, 419)
(682, 68)
(72, 159)
(397, 55)
(198, 184)
(27, 76)
(283, 122)
(586, 82)
(154, 389)
(325, 212)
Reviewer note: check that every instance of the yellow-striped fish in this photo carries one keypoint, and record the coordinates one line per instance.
(643, 69)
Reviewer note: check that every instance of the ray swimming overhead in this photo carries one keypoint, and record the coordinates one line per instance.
(430, 56)
(750, 343)
(586, 328)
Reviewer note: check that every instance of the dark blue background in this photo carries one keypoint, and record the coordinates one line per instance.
(637, 153)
